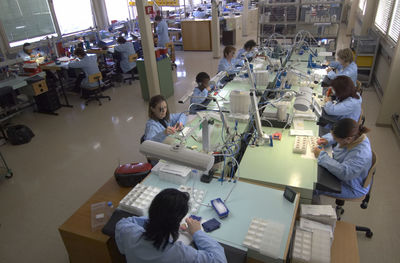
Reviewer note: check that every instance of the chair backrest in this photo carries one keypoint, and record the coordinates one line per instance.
(372, 170)
(132, 57)
(95, 77)
(359, 87)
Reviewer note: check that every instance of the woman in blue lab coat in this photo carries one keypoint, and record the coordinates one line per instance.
(162, 31)
(228, 62)
(199, 13)
(343, 66)
(27, 53)
(248, 47)
(348, 101)
(200, 93)
(87, 63)
(154, 238)
(161, 122)
(125, 49)
(352, 157)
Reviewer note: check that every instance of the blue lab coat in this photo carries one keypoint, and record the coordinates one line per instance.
(130, 241)
(350, 71)
(348, 108)
(162, 33)
(198, 93)
(155, 130)
(224, 65)
(89, 65)
(350, 164)
(199, 14)
(25, 56)
(126, 50)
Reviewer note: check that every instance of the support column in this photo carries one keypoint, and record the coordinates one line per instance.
(148, 49)
(215, 40)
(352, 17)
(100, 13)
(390, 101)
(245, 17)
(368, 19)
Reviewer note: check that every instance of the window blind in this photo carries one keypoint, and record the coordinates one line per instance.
(73, 15)
(26, 19)
(394, 29)
(383, 14)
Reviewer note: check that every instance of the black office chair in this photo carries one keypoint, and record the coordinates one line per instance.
(364, 199)
(95, 93)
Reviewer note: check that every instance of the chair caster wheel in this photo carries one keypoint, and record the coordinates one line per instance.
(86, 104)
(369, 234)
(9, 175)
(130, 82)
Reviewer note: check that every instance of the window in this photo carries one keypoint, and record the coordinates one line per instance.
(387, 18)
(383, 15)
(394, 29)
(26, 21)
(361, 5)
(117, 10)
(73, 15)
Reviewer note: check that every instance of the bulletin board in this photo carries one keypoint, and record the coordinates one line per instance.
(159, 3)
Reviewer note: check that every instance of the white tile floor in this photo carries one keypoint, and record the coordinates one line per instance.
(74, 153)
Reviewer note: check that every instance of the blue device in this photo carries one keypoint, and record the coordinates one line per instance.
(220, 207)
(211, 225)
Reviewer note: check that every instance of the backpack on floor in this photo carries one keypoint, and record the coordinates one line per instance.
(19, 134)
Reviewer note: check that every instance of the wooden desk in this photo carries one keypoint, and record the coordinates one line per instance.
(82, 244)
(345, 247)
(196, 35)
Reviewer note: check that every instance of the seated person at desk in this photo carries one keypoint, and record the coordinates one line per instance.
(348, 104)
(228, 62)
(247, 48)
(87, 63)
(162, 31)
(352, 158)
(125, 49)
(343, 66)
(199, 13)
(200, 93)
(27, 53)
(154, 239)
(161, 122)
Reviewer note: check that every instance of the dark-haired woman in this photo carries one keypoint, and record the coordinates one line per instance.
(154, 239)
(200, 92)
(126, 49)
(161, 122)
(348, 101)
(247, 48)
(352, 157)
(88, 64)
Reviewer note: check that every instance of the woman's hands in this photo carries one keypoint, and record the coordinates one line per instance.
(192, 226)
(171, 130)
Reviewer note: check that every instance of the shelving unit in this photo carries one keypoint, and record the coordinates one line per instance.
(365, 49)
(287, 17)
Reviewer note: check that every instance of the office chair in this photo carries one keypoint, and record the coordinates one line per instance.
(95, 92)
(359, 87)
(364, 199)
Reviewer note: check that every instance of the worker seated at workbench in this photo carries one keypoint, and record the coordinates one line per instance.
(199, 100)
(161, 122)
(27, 53)
(155, 238)
(88, 64)
(126, 49)
(228, 63)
